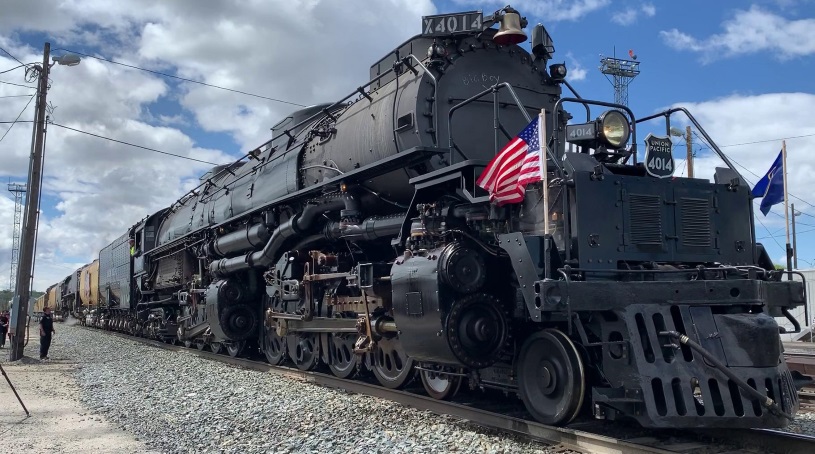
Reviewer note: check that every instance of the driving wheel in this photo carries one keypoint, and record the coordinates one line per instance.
(341, 358)
(274, 346)
(304, 350)
(391, 366)
(551, 379)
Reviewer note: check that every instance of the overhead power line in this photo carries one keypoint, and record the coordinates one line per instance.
(12, 56)
(765, 141)
(18, 85)
(16, 119)
(185, 79)
(134, 145)
(115, 140)
(11, 69)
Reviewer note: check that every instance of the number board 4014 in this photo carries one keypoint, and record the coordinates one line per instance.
(659, 159)
(452, 24)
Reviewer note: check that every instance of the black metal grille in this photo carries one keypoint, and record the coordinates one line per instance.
(645, 219)
(695, 219)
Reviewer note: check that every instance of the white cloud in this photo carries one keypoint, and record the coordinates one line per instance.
(576, 71)
(630, 15)
(550, 10)
(750, 31)
(625, 17)
(306, 51)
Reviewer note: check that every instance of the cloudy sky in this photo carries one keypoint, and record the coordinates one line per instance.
(743, 68)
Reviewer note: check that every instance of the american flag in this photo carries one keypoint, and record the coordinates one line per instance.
(515, 166)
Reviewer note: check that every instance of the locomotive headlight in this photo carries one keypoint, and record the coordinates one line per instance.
(613, 128)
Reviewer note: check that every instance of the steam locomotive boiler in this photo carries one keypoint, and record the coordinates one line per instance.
(357, 238)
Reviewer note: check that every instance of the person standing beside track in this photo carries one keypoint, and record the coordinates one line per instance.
(4, 320)
(46, 331)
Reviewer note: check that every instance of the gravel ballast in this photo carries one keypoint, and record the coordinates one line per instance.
(177, 402)
(181, 403)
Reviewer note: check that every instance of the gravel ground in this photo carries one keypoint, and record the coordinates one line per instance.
(58, 422)
(180, 403)
(804, 423)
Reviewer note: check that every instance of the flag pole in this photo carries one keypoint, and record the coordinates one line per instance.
(786, 206)
(544, 145)
(543, 166)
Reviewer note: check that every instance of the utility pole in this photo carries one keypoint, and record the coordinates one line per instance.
(32, 205)
(689, 143)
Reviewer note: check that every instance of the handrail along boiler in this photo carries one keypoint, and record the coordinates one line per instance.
(357, 238)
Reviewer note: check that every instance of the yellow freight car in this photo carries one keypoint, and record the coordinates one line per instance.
(88, 291)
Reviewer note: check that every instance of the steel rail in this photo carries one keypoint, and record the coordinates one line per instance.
(768, 440)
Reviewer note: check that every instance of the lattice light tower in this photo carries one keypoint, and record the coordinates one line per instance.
(19, 194)
(620, 73)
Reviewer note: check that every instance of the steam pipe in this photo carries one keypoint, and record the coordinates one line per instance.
(795, 324)
(369, 229)
(298, 224)
(160, 303)
(251, 237)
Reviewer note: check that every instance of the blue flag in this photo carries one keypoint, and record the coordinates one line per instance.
(771, 187)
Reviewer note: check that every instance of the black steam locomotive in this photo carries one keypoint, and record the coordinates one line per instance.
(357, 238)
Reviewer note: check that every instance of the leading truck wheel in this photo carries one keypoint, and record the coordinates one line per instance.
(551, 379)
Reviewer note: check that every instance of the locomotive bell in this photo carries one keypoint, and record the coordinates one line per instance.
(510, 31)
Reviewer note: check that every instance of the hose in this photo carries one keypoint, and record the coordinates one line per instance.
(764, 400)
(792, 320)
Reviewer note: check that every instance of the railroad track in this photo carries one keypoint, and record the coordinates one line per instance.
(804, 363)
(587, 436)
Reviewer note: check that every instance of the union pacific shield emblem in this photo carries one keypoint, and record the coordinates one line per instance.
(659, 159)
